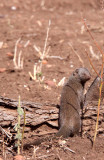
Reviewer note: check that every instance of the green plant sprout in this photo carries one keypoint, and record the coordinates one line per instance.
(20, 134)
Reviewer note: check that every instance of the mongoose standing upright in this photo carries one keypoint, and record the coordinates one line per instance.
(71, 101)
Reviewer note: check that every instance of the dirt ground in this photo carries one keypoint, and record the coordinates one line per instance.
(27, 22)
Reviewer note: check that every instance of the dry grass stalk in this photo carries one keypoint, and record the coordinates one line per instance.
(99, 101)
(34, 152)
(80, 59)
(18, 63)
(45, 52)
(37, 75)
(92, 64)
(26, 44)
(96, 44)
(24, 123)
(9, 135)
(62, 82)
(55, 57)
(92, 53)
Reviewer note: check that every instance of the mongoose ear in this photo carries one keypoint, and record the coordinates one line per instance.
(75, 72)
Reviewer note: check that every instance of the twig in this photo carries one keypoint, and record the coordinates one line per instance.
(99, 101)
(100, 88)
(80, 59)
(96, 44)
(45, 52)
(37, 74)
(3, 146)
(34, 152)
(26, 44)
(18, 129)
(7, 134)
(19, 64)
(34, 72)
(57, 57)
(38, 66)
(67, 148)
(92, 64)
(24, 123)
(62, 82)
(15, 52)
(92, 53)
(45, 45)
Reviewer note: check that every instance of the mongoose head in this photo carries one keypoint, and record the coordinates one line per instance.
(82, 74)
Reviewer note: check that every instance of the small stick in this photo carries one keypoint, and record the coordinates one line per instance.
(15, 52)
(18, 130)
(57, 57)
(100, 88)
(19, 64)
(6, 133)
(45, 45)
(26, 44)
(92, 64)
(92, 53)
(34, 152)
(3, 146)
(80, 59)
(19, 59)
(99, 101)
(24, 123)
(96, 44)
(69, 149)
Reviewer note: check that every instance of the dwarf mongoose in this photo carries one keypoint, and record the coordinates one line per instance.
(92, 94)
(71, 102)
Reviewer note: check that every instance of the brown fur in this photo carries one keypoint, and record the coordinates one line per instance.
(92, 94)
(71, 102)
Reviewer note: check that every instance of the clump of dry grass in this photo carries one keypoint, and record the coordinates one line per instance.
(18, 59)
(37, 68)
